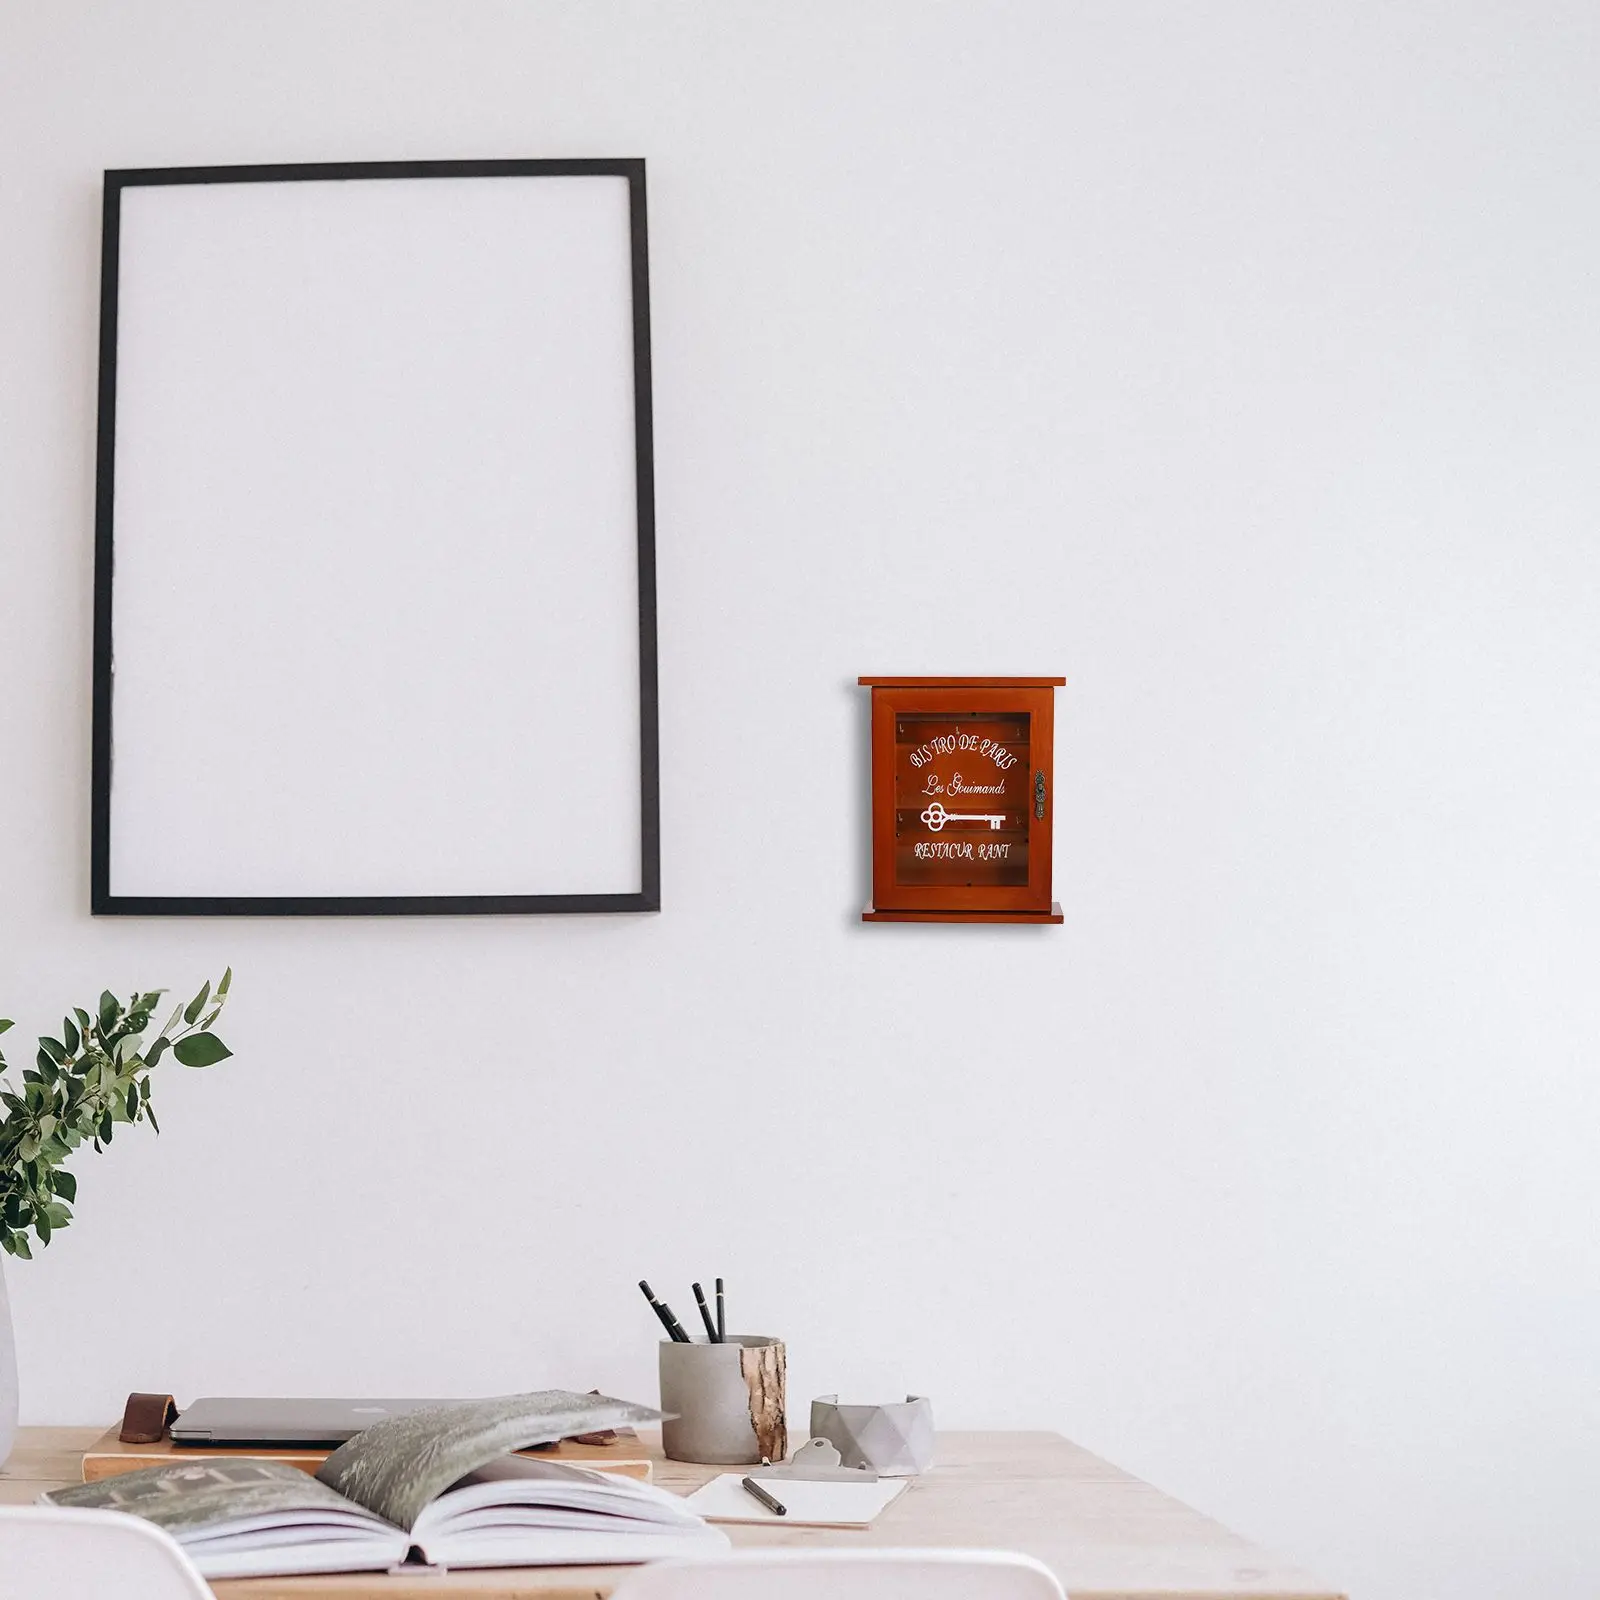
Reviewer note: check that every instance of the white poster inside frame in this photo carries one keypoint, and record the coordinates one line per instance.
(374, 610)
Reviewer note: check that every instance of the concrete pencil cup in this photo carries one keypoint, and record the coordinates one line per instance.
(724, 1402)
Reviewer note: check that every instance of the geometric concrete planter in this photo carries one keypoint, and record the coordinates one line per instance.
(895, 1441)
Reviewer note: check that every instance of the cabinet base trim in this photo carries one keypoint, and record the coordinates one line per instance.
(871, 914)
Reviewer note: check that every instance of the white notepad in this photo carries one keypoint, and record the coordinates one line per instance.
(810, 1504)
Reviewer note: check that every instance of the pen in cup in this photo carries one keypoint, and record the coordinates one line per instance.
(668, 1321)
(705, 1314)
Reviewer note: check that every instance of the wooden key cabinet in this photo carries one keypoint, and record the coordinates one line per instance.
(962, 789)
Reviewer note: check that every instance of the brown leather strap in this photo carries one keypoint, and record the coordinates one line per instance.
(146, 1418)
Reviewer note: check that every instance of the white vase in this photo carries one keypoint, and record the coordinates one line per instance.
(8, 1375)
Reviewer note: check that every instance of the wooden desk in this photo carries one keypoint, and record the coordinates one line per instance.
(1106, 1535)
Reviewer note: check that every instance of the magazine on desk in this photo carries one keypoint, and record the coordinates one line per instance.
(440, 1487)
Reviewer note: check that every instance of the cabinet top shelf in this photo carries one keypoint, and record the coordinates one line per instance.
(961, 683)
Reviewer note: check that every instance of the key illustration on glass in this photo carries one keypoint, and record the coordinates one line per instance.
(936, 816)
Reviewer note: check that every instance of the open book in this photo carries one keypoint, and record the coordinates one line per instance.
(439, 1486)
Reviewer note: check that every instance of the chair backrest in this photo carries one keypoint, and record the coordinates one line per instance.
(782, 1574)
(56, 1553)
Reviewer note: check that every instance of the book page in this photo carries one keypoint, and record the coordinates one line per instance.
(397, 1466)
(513, 1491)
(194, 1499)
(541, 1513)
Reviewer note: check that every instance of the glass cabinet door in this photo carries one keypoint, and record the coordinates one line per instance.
(960, 793)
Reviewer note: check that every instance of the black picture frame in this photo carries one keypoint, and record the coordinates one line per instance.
(102, 901)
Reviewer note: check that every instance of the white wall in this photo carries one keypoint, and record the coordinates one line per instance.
(1238, 361)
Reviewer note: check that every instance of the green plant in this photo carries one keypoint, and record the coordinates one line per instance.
(94, 1076)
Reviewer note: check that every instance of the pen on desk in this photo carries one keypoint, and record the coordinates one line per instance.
(722, 1332)
(705, 1313)
(775, 1506)
(668, 1321)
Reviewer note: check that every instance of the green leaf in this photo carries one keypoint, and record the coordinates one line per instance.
(133, 1101)
(191, 1012)
(48, 1070)
(70, 1033)
(56, 1053)
(149, 1111)
(109, 1011)
(157, 1050)
(29, 1148)
(201, 1050)
(6, 1024)
(41, 1220)
(105, 1128)
(127, 1047)
(227, 980)
(66, 1185)
(83, 1018)
(21, 1248)
(172, 1021)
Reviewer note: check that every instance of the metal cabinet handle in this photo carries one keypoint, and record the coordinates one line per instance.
(1038, 794)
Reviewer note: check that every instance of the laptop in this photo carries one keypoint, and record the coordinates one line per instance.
(226, 1420)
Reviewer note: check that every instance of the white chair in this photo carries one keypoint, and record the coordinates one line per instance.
(783, 1574)
(53, 1553)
